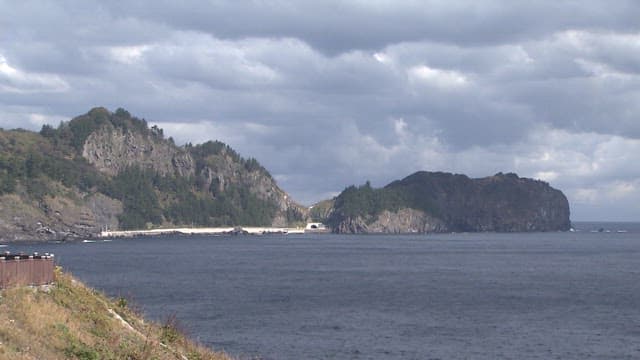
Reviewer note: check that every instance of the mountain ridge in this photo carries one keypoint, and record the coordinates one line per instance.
(112, 170)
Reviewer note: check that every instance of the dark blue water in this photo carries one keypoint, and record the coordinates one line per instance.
(458, 296)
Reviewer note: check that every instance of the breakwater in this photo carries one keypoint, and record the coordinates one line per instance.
(203, 231)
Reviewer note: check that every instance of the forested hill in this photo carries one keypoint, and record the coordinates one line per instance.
(110, 169)
(443, 202)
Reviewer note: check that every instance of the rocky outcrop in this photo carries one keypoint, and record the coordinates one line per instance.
(444, 202)
(406, 221)
(111, 150)
(222, 172)
(109, 170)
(57, 218)
(403, 221)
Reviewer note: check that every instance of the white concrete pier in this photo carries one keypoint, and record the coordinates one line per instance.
(203, 231)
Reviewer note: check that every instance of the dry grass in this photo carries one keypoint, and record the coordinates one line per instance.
(71, 321)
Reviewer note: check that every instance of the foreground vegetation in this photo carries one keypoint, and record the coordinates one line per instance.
(71, 321)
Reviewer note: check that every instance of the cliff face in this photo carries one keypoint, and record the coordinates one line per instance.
(112, 150)
(402, 221)
(444, 202)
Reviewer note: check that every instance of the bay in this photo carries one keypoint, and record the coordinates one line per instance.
(573, 295)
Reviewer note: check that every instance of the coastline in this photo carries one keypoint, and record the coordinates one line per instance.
(203, 231)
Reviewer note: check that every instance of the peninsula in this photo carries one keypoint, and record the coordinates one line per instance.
(444, 202)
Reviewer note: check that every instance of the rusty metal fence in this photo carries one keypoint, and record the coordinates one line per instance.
(20, 270)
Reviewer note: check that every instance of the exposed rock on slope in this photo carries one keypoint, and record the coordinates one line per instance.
(401, 221)
(440, 202)
(105, 169)
(56, 218)
(112, 150)
(220, 171)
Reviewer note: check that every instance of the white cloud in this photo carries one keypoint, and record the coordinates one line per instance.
(26, 118)
(602, 201)
(202, 131)
(547, 176)
(128, 54)
(382, 57)
(622, 189)
(13, 80)
(438, 77)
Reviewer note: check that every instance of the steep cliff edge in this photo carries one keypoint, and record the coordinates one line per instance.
(111, 170)
(442, 202)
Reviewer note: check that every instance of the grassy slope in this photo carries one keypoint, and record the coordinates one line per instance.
(71, 321)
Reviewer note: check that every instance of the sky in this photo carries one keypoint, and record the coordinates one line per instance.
(327, 94)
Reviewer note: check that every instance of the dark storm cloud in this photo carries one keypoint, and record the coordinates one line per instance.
(339, 26)
(327, 94)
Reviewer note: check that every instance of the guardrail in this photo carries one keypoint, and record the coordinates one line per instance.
(21, 269)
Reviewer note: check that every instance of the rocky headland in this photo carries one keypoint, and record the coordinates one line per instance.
(110, 170)
(443, 202)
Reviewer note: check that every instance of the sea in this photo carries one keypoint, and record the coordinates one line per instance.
(556, 295)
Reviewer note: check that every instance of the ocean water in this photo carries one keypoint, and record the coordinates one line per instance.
(573, 295)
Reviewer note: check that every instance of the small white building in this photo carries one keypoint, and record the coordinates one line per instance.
(316, 227)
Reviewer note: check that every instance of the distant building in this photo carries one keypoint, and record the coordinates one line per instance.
(316, 227)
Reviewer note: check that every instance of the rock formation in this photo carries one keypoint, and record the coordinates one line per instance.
(109, 170)
(111, 150)
(442, 202)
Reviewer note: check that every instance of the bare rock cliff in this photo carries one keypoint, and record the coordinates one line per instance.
(111, 150)
(403, 221)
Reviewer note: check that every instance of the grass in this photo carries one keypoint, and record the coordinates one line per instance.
(68, 320)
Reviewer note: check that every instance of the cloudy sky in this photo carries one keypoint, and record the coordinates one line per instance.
(331, 93)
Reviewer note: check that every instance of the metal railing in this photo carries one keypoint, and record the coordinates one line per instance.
(21, 269)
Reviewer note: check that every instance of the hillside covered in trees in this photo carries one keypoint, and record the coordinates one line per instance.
(443, 202)
(112, 170)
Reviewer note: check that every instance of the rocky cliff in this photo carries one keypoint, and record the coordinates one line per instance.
(401, 221)
(111, 150)
(56, 218)
(111, 170)
(442, 202)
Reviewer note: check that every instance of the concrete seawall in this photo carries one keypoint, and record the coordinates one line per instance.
(203, 231)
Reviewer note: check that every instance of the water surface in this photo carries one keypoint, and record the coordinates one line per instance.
(456, 296)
